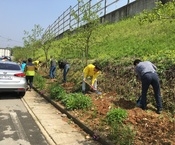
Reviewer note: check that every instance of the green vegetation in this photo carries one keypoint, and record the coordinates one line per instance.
(77, 101)
(57, 92)
(39, 82)
(120, 133)
(116, 116)
(70, 101)
(122, 41)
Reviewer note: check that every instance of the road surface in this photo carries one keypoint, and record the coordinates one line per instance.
(17, 127)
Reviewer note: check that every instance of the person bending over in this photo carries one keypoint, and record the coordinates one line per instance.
(146, 72)
(93, 72)
(65, 66)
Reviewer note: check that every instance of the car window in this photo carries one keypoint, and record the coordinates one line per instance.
(8, 58)
(6, 66)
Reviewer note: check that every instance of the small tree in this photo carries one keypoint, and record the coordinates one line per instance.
(20, 53)
(32, 41)
(46, 45)
(160, 12)
(88, 20)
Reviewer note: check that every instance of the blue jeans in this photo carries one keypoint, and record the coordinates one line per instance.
(52, 72)
(153, 80)
(65, 71)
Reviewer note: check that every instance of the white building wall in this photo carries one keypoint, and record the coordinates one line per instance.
(5, 52)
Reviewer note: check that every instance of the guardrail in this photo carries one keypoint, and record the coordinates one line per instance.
(66, 20)
(110, 10)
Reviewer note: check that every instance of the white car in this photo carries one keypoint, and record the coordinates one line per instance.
(12, 78)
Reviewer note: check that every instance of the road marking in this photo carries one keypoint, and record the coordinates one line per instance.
(18, 126)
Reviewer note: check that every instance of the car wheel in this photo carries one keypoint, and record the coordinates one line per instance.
(21, 94)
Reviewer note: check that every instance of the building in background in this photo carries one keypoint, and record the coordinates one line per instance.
(5, 52)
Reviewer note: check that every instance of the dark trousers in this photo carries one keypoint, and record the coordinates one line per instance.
(65, 71)
(29, 80)
(153, 80)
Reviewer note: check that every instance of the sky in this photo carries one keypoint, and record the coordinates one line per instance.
(17, 16)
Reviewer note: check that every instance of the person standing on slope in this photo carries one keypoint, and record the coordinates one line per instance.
(146, 72)
(52, 68)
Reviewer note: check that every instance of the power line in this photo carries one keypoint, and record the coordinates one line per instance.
(9, 39)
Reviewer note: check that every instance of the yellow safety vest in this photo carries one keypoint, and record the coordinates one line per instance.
(30, 70)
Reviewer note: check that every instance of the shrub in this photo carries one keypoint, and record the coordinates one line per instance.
(57, 92)
(122, 134)
(119, 133)
(77, 101)
(116, 115)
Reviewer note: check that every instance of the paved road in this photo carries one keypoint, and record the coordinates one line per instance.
(17, 127)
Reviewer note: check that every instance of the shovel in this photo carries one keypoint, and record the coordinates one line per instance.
(90, 86)
(97, 92)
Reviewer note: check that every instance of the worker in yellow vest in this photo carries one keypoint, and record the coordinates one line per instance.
(30, 73)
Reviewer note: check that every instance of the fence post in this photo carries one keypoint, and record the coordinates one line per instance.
(63, 20)
(58, 26)
(89, 6)
(78, 21)
(105, 7)
(70, 8)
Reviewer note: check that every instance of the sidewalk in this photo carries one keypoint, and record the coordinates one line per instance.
(52, 124)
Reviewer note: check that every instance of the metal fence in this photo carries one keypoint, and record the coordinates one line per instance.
(66, 21)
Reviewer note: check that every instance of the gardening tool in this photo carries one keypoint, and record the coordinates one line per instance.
(95, 90)
(90, 86)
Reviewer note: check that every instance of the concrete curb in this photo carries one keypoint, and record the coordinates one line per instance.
(75, 120)
(45, 133)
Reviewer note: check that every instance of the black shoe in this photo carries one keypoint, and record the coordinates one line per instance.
(63, 81)
(140, 106)
(159, 111)
(143, 108)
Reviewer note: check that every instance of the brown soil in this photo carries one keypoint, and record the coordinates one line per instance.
(150, 128)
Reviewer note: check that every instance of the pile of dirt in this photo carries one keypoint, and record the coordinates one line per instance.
(150, 128)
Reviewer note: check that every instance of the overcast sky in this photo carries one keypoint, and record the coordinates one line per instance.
(19, 15)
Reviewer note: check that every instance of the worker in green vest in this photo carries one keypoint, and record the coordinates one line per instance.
(30, 73)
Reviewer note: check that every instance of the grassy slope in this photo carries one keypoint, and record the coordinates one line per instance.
(129, 39)
(126, 40)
